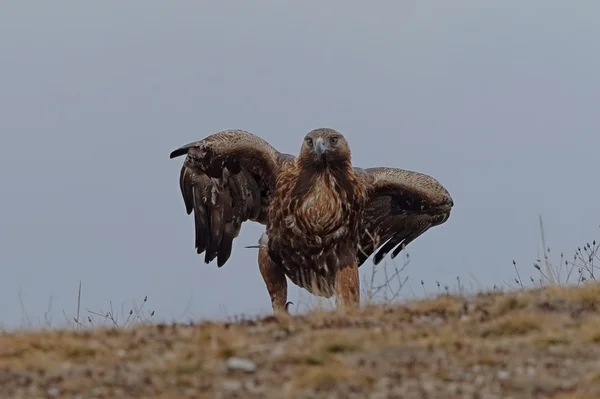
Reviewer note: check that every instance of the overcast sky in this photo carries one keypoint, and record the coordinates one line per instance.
(498, 101)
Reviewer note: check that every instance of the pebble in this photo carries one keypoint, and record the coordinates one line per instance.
(232, 385)
(278, 351)
(191, 392)
(240, 364)
(502, 375)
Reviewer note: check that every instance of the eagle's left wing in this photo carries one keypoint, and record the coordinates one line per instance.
(403, 205)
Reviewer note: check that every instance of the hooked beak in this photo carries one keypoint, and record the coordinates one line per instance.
(320, 147)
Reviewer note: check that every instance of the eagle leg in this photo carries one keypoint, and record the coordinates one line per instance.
(274, 278)
(347, 286)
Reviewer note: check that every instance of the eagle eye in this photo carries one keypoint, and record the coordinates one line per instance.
(309, 141)
(333, 140)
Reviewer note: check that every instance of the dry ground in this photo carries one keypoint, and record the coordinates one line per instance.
(533, 344)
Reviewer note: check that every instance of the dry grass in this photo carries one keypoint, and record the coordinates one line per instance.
(540, 340)
(541, 343)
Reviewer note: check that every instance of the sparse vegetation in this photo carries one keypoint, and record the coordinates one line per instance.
(543, 342)
(538, 339)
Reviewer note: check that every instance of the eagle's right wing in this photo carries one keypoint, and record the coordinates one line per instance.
(226, 179)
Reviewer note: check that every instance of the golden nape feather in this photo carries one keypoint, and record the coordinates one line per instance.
(323, 216)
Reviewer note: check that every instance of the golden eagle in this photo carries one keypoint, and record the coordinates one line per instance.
(323, 216)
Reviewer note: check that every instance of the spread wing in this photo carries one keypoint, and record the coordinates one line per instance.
(226, 179)
(403, 205)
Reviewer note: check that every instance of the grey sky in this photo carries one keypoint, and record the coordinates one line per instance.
(497, 101)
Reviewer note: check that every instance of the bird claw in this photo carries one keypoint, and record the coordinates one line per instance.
(287, 304)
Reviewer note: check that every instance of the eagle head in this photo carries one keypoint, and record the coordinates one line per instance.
(323, 147)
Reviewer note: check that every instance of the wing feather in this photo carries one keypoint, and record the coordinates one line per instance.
(403, 205)
(200, 220)
(226, 179)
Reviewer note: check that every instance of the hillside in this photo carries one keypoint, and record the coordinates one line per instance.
(535, 344)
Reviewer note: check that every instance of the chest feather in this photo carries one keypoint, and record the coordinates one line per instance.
(322, 208)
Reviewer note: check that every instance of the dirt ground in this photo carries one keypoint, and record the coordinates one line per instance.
(532, 344)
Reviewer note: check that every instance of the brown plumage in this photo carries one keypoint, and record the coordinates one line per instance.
(323, 216)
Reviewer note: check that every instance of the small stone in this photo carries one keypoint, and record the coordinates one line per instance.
(53, 392)
(232, 385)
(479, 380)
(278, 350)
(239, 364)
(428, 386)
(502, 375)
(453, 389)
(66, 367)
(383, 382)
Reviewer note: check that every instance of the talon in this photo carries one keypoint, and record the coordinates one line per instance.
(287, 304)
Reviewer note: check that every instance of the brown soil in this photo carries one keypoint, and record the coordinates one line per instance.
(533, 344)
